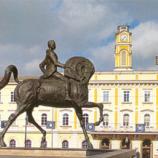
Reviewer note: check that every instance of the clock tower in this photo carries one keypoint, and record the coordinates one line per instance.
(123, 51)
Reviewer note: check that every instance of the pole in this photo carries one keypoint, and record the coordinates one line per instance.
(25, 129)
(52, 137)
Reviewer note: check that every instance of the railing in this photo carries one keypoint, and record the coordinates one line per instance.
(121, 128)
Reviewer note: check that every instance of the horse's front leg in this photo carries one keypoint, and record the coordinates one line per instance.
(95, 105)
(79, 115)
(11, 119)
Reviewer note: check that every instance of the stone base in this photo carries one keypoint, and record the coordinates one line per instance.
(64, 153)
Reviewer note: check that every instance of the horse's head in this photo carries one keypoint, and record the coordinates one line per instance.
(79, 68)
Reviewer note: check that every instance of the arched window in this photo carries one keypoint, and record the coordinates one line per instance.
(146, 148)
(106, 120)
(85, 119)
(123, 58)
(147, 120)
(12, 143)
(84, 144)
(105, 143)
(65, 119)
(28, 143)
(126, 120)
(44, 119)
(125, 144)
(65, 144)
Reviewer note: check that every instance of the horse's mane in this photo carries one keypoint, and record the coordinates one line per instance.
(79, 68)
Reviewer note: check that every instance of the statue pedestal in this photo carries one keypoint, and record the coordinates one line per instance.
(64, 153)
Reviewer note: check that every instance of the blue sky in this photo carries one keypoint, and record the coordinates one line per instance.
(79, 27)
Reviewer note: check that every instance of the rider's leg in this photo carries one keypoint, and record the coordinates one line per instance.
(67, 87)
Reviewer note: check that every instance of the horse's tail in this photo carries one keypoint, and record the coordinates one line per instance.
(8, 71)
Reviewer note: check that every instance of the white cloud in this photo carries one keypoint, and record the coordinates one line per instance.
(103, 57)
(19, 56)
(32, 67)
(145, 39)
(77, 26)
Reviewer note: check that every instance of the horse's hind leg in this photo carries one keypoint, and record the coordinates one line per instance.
(11, 119)
(31, 120)
(95, 105)
(78, 111)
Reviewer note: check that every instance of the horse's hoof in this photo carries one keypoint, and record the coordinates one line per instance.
(2, 144)
(90, 146)
(43, 143)
(96, 123)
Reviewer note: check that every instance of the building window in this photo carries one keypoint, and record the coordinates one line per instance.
(12, 97)
(105, 96)
(65, 119)
(84, 144)
(105, 144)
(147, 96)
(65, 144)
(123, 58)
(126, 96)
(147, 120)
(44, 119)
(12, 143)
(106, 120)
(126, 120)
(28, 143)
(85, 119)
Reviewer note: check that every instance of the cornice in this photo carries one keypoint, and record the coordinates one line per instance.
(123, 82)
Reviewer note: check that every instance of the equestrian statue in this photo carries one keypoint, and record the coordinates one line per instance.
(53, 89)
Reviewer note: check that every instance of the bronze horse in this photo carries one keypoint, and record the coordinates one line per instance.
(31, 93)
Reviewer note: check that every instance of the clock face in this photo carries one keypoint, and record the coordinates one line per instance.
(123, 37)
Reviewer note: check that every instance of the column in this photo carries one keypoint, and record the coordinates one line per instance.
(116, 109)
(137, 144)
(115, 144)
(156, 108)
(136, 105)
(95, 100)
(154, 148)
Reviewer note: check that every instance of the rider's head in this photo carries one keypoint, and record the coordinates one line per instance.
(51, 44)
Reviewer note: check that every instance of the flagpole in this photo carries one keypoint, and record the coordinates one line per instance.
(25, 129)
(52, 137)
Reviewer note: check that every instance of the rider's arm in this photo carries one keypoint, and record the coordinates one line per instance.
(55, 60)
(42, 66)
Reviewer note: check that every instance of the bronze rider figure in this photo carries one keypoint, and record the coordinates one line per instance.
(49, 66)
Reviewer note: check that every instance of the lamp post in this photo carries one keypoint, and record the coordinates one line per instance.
(51, 125)
(26, 121)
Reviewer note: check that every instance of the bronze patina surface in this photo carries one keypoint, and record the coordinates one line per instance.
(53, 89)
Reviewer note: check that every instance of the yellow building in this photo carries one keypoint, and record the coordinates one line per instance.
(130, 101)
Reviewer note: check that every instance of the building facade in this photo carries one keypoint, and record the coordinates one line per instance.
(130, 101)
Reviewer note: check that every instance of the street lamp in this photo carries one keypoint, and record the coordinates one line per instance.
(26, 122)
(51, 125)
